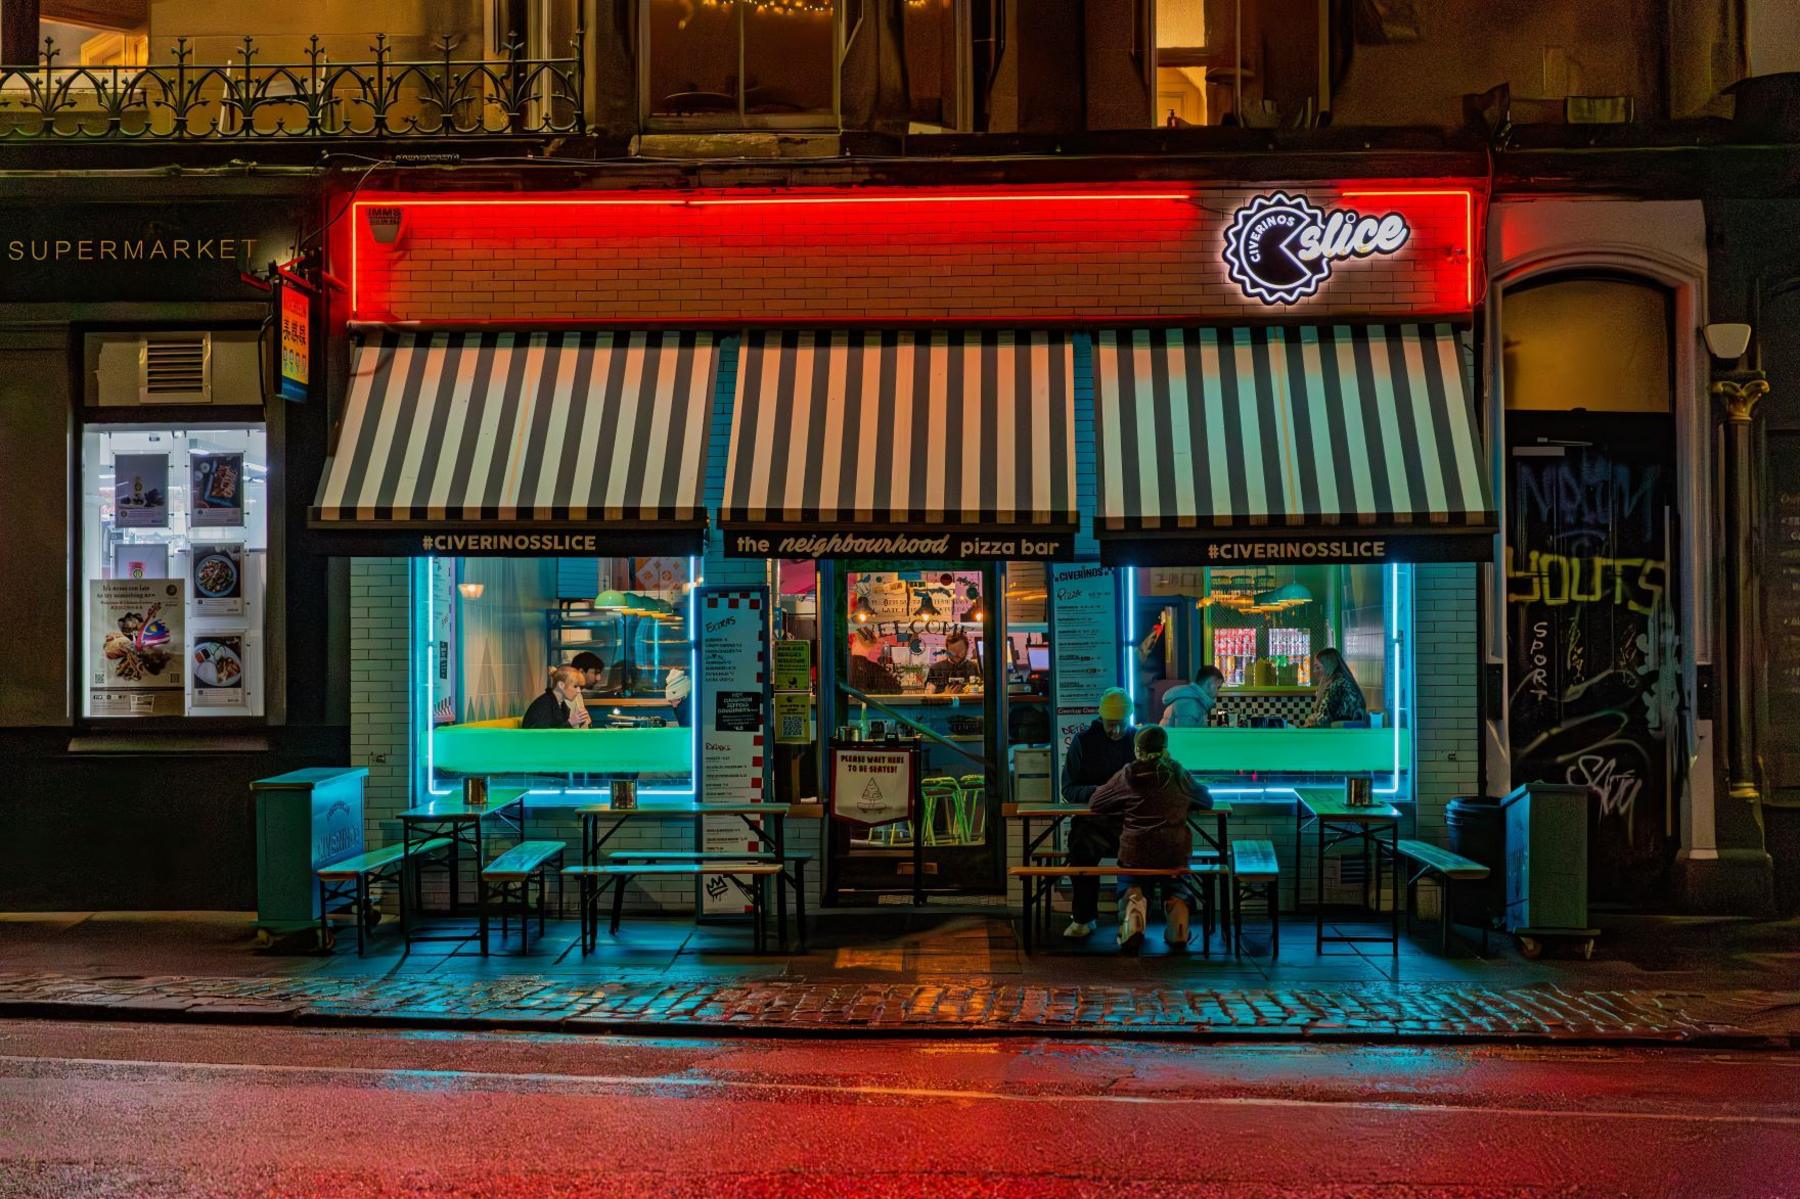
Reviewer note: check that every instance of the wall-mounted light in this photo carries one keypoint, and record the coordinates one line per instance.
(1727, 340)
(471, 591)
(384, 223)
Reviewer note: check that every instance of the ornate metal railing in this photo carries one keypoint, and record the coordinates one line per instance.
(245, 98)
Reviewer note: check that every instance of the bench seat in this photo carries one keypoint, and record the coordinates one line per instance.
(681, 855)
(509, 877)
(750, 873)
(377, 860)
(1255, 874)
(1447, 868)
(1254, 861)
(1442, 861)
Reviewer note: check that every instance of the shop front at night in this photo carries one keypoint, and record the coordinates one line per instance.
(965, 459)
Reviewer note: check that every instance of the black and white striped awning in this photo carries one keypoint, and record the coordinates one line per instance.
(512, 442)
(1308, 443)
(895, 443)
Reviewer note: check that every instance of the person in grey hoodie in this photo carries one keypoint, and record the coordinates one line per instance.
(1152, 796)
(1190, 705)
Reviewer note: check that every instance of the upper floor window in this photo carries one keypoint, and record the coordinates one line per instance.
(1239, 62)
(741, 62)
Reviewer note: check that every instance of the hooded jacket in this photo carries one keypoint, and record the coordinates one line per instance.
(1154, 799)
(1091, 759)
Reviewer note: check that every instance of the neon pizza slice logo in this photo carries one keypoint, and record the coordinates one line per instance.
(1279, 248)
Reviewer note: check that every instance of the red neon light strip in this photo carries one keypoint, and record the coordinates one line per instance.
(690, 202)
(1468, 198)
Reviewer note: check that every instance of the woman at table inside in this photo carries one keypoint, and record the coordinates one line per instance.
(1336, 697)
(1153, 796)
(560, 707)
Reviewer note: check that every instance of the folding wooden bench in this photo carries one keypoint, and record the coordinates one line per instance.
(1446, 869)
(750, 877)
(1255, 875)
(506, 887)
(349, 881)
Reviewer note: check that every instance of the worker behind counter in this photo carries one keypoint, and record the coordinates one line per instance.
(955, 671)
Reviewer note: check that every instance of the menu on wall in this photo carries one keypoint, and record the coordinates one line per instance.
(141, 491)
(217, 577)
(1781, 613)
(218, 662)
(218, 490)
(1084, 614)
(733, 710)
(136, 641)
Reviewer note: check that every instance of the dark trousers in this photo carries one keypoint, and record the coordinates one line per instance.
(1092, 839)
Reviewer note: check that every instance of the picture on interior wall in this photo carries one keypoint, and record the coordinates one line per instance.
(217, 576)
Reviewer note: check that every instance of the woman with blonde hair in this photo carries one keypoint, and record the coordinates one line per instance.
(1336, 696)
(1152, 795)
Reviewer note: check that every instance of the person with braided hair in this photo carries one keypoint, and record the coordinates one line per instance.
(1152, 796)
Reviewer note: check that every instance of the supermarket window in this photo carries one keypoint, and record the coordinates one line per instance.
(1261, 628)
(175, 564)
(491, 631)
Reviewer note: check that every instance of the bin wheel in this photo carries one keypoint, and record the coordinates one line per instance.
(327, 940)
(264, 938)
(1587, 949)
(1530, 947)
(371, 916)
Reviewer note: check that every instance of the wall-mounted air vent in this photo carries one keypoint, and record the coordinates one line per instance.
(175, 368)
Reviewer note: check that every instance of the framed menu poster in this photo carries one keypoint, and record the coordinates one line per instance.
(217, 483)
(732, 710)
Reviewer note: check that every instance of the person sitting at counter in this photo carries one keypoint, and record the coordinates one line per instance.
(1095, 755)
(868, 673)
(561, 706)
(1336, 696)
(1190, 705)
(592, 667)
(1151, 796)
(956, 669)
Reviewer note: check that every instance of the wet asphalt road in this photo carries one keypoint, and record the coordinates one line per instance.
(148, 1110)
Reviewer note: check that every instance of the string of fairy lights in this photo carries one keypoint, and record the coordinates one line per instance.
(797, 8)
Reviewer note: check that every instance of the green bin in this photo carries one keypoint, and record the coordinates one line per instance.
(305, 819)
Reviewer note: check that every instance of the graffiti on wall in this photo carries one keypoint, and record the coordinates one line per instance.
(1595, 664)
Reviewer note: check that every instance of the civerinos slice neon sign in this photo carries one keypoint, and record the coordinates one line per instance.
(1279, 248)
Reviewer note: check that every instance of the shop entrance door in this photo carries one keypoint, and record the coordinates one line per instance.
(916, 665)
(1593, 654)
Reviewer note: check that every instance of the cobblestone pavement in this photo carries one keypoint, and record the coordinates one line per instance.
(1359, 1011)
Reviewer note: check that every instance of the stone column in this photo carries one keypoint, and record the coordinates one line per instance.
(1739, 394)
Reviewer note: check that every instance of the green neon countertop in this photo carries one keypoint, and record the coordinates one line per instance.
(487, 749)
(1289, 751)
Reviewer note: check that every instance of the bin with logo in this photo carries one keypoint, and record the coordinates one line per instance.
(305, 819)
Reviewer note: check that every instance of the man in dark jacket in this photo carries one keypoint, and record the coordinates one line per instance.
(1094, 755)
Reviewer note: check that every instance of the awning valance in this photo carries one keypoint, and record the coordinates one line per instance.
(554, 443)
(896, 443)
(1311, 443)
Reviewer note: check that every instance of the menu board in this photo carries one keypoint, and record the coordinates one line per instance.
(733, 712)
(1781, 612)
(1084, 641)
(137, 647)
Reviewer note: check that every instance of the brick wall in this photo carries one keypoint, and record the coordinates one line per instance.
(559, 258)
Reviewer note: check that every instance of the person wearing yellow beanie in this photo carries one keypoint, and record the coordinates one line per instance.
(1094, 755)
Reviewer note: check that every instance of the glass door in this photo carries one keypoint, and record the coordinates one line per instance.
(922, 664)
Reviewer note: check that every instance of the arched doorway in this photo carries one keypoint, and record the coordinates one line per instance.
(1591, 602)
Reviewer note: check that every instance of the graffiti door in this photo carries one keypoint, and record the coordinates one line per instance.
(1594, 664)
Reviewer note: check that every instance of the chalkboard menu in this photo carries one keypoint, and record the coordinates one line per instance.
(1781, 611)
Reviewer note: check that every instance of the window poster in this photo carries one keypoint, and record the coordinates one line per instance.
(732, 709)
(137, 560)
(443, 641)
(136, 642)
(1084, 646)
(217, 577)
(218, 661)
(141, 491)
(217, 481)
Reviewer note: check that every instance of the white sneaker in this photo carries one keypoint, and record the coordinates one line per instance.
(1175, 926)
(1079, 929)
(1132, 919)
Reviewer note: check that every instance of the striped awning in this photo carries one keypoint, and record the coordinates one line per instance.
(895, 443)
(1308, 443)
(524, 433)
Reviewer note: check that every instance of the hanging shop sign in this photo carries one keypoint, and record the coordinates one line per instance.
(1279, 248)
(1084, 646)
(140, 252)
(1299, 549)
(937, 547)
(293, 308)
(872, 786)
(733, 713)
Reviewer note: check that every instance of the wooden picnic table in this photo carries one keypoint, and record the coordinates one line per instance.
(773, 815)
(450, 817)
(1055, 813)
(1334, 823)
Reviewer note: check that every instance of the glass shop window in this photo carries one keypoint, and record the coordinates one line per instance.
(732, 63)
(916, 633)
(174, 565)
(1264, 630)
(492, 631)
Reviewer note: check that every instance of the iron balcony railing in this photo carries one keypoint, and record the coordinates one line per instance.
(321, 97)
